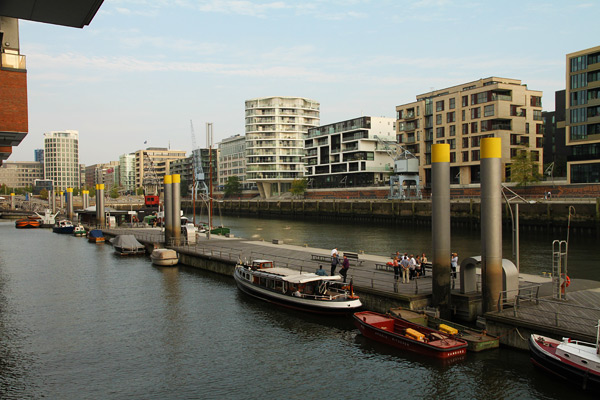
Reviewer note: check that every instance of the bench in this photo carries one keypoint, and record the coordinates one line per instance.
(321, 258)
(384, 267)
(354, 257)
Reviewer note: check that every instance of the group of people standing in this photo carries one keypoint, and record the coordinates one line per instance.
(409, 266)
(335, 261)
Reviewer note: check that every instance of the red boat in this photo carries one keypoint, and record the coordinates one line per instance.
(28, 223)
(408, 336)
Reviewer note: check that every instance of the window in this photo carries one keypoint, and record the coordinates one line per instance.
(452, 130)
(452, 103)
(578, 115)
(439, 132)
(465, 143)
(526, 127)
(438, 119)
(579, 63)
(465, 129)
(439, 105)
(463, 115)
(488, 111)
(473, 127)
(578, 81)
(579, 98)
(465, 101)
(537, 115)
(475, 155)
(451, 117)
(475, 112)
(535, 101)
(452, 143)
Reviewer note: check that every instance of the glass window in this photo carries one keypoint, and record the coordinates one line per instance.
(438, 119)
(488, 111)
(475, 112)
(452, 103)
(439, 105)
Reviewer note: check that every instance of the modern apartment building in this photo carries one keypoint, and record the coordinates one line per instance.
(38, 155)
(20, 174)
(61, 159)
(102, 174)
(349, 153)
(462, 115)
(583, 116)
(152, 164)
(127, 172)
(232, 161)
(555, 151)
(275, 131)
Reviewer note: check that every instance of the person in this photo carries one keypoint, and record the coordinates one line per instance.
(396, 266)
(412, 266)
(454, 264)
(404, 264)
(334, 252)
(423, 262)
(418, 269)
(297, 293)
(345, 267)
(334, 262)
(321, 271)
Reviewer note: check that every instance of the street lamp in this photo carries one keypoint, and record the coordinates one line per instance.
(514, 218)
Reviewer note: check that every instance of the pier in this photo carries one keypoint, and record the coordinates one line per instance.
(532, 310)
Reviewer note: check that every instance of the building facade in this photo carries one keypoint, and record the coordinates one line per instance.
(555, 151)
(152, 164)
(21, 174)
(232, 161)
(349, 153)
(127, 172)
(38, 155)
(61, 159)
(275, 130)
(462, 115)
(583, 116)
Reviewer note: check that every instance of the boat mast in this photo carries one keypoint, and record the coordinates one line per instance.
(209, 139)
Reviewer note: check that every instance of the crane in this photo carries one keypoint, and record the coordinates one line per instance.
(150, 182)
(199, 179)
(406, 171)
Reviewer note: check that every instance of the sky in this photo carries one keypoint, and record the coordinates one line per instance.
(144, 71)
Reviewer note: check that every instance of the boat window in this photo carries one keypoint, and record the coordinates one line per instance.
(584, 361)
(566, 355)
(263, 281)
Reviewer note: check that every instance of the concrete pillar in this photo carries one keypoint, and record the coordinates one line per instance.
(70, 204)
(168, 213)
(12, 201)
(53, 201)
(491, 222)
(176, 209)
(440, 227)
(100, 215)
(85, 196)
(61, 198)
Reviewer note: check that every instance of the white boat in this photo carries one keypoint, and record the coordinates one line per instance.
(575, 361)
(79, 230)
(164, 257)
(126, 245)
(305, 291)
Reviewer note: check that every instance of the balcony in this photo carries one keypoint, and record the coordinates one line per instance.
(13, 61)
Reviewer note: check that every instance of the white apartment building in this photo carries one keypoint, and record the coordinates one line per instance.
(232, 161)
(61, 159)
(275, 131)
(349, 154)
(127, 172)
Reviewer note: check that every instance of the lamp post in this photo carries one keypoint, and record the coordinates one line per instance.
(514, 219)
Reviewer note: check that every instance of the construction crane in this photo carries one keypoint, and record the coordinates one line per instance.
(404, 184)
(150, 182)
(199, 184)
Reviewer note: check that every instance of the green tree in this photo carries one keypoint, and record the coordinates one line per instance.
(76, 191)
(139, 191)
(184, 188)
(233, 187)
(524, 170)
(299, 186)
(44, 194)
(114, 192)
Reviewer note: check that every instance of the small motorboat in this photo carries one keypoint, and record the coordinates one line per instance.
(79, 230)
(28, 223)
(48, 219)
(164, 257)
(405, 335)
(127, 245)
(96, 236)
(577, 362)
(63, 226)
(304, 291)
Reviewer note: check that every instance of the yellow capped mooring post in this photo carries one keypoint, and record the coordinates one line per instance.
(69, 198)
(491, 222)
(176, 208)
(168, 211)
(440, 227)
(12, 201)
(100, 216)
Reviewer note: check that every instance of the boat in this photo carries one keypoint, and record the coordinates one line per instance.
(127, 245)
(220, 230)
(405, 335)
(96, 236)
(477, 339)
(63, 226)
(164, 257)
(28, 223)
(298, 290)
(48, 219)
(79, 230)
(575, 361)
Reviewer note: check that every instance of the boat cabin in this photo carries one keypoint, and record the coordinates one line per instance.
(261, 264)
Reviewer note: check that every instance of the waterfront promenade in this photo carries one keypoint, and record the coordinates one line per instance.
(532, 310)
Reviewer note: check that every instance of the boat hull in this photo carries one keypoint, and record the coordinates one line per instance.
(27, 224)
(326, 307)
(63, 229)
(542, 358)
(392, 338)
(96, 239)
(164, 257)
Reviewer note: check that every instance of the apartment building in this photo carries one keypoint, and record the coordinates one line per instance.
(127, 172)
(349, 153)
(275, 130)
(21, 174)
(583, 116)
(232, 161)
(61, 159)
(102, 174)
(555, 151)
(152, 164)
(462, 115)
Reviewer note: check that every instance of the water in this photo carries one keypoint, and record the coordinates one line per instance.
(78, 322)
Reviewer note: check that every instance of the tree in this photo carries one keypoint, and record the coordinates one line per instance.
(114, 192)
(524, 169)
(233, 187)
(44, 194)
(76, 191)
(299, 186)
(139, 191)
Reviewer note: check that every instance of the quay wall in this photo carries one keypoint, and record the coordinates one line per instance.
(543, 215)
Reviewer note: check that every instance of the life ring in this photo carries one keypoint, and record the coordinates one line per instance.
(567, 281)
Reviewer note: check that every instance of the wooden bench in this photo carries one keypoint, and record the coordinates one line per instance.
(384, 267)
(321, 258)
(354, 257)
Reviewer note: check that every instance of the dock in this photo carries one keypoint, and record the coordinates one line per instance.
(531, 311)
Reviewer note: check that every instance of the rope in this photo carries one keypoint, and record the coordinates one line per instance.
(520, 334)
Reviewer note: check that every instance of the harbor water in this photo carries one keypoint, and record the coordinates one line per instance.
(79, 322)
